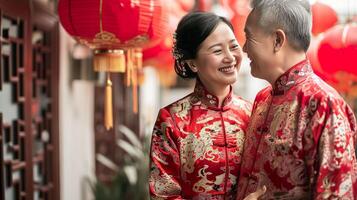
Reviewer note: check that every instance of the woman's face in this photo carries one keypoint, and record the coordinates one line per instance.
(218, 58)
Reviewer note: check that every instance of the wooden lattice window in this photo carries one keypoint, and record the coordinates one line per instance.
(28, 102)
(12, 107)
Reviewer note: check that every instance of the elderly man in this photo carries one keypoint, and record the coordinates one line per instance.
(300, 141)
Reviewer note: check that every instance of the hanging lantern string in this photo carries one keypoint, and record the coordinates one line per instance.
(129, 67)
(137, 65)
(134, 63)
(108, 104)
(100, 15)
(135, 93)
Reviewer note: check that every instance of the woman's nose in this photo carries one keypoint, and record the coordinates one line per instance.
(229, 57)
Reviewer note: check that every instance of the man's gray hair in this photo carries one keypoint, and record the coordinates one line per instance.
(292, 16)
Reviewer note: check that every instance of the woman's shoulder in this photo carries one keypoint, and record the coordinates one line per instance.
(177, 106)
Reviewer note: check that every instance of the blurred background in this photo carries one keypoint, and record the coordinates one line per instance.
(64, 62)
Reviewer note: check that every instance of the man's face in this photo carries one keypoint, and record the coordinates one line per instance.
(259, 47)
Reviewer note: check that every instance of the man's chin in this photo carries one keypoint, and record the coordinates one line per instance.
(255, 75)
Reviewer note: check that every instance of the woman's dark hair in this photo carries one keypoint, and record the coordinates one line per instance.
(191, 31)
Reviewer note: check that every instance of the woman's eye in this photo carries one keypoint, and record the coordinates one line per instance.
(217, 51)
(235, 46)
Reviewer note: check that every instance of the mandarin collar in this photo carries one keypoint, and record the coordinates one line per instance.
(201, 94)
(291, 77)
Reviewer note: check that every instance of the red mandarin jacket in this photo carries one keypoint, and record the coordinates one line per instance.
(300, 141)
(196, 147)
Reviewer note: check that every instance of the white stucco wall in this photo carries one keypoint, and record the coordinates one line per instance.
(76, 129)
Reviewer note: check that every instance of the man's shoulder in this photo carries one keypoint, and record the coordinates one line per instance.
(263, 94)
(318, 88)
(265, 91)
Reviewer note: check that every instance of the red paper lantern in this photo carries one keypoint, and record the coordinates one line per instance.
(113, 27)
(113, 23)
(116, 30)
(338, 49)
(186, 5)
(337, 56)
(238, 10)
(323, 17)
(204, 5)
(160, 56)
(238, 22)
(176, 9)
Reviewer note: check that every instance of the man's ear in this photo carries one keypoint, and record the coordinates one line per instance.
(191, 64)
(279, 39)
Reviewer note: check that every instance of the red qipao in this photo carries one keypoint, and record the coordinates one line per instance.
(300, 141)
(196, 147)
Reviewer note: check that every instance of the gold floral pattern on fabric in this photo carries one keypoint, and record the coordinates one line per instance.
(300, 141)
(204, 184)
(181, 109)
(164, 184)
(197, 147)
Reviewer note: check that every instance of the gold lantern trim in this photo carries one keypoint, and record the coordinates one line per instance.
(109, 60)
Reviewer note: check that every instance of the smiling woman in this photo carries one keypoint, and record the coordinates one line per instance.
(197, 141)
(218, 60)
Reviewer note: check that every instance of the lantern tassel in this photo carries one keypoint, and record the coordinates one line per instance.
(135, 94)
(108, 104)
(128, 68)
